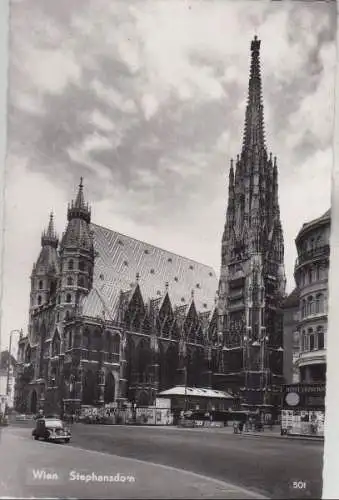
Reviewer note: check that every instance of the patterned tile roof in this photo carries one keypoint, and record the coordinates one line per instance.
(119, 259)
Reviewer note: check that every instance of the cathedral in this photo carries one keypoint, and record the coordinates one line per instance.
(114, 319)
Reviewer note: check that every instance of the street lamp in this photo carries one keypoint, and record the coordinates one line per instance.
(9, 363)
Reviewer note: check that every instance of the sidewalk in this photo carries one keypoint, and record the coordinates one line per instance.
(37, 469)
(275, 433)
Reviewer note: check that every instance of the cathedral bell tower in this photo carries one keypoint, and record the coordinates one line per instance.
(252, 278)
(76, 257)
(45, 271)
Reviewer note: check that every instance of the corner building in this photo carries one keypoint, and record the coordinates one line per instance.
(311, 275)
(252, 277)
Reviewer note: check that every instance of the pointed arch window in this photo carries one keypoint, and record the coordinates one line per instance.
(70, 281)
(71, 264)
(81, 265)
(81, 281)
(39, 300)
(86, 339)
(116, 344)
(41, 284)
(68, 298)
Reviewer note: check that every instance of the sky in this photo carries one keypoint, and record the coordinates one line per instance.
(146, 101)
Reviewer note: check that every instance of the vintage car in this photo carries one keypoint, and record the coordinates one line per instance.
(51, 429)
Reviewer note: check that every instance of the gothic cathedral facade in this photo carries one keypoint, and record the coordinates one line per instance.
(113, 319)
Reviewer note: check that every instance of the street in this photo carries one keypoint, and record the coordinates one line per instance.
(265, 465)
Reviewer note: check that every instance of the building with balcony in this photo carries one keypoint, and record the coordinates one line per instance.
(291, 337)
(311, 276)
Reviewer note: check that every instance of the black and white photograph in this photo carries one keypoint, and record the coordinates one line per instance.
(166, 257)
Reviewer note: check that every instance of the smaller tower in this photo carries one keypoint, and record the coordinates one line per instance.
(76, 257)
(45, 271)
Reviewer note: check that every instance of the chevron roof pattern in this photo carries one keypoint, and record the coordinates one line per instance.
(121, 261)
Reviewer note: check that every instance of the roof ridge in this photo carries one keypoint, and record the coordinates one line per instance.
(154, 246)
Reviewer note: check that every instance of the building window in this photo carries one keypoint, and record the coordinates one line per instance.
(39, 300)
(303, 309)
(309, 276)
(320, 335)
(70, 340)
(69, 281)
(311, 340)
(41, 285)
(81, 281)
(81, 265)
(71, 264)
(68, 298)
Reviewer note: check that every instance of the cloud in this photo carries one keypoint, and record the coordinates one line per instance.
(146, 100)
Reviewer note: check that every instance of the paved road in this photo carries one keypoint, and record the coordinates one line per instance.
(266, 465)
(35, 469)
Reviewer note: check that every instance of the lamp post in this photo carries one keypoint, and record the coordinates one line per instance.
(9, 364)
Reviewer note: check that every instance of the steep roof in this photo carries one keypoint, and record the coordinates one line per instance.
(120, 258)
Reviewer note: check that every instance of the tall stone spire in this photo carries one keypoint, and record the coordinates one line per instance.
(254, 135)
(252, 266)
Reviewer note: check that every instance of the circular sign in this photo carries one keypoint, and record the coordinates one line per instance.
(292, 398)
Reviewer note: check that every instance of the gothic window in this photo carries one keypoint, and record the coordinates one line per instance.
(40, 285)
(59, 299)
(39, 300)
(56, 345)
(69, 281)
(309, 305)
(70, 339)
(71, 264)
(86, 339)
(81, 265)
(67, 315)
(68, 298)
(320, 335)
(28, 355)
(81, 281)
(116, 344)
(97, 340)
(108, 342)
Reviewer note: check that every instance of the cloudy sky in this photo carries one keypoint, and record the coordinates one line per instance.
(146, 101)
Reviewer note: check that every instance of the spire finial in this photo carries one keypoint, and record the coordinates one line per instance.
(49, 236)
(78, 208)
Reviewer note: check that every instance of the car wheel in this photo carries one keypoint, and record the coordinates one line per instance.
(36, 437)
(67, 440)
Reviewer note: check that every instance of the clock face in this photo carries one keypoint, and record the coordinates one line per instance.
(292, 398)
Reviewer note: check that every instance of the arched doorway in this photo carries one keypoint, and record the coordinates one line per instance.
(109, 391)
(33, 402)
(143, 399)
(89, 388)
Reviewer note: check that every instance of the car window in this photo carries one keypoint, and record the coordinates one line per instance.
(55, 424)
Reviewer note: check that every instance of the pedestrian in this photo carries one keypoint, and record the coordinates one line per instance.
(235, 427)
(241, 427)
